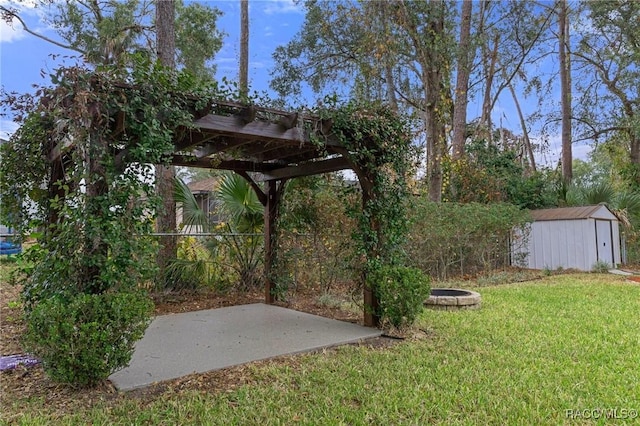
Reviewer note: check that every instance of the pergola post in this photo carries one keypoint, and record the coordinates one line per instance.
(371, 318)
(273, 195)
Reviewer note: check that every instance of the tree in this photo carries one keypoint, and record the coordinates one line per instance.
(607, 56)
(381, 52)
(244, 49)
(565, 90)
(510, 33)
(197, 38)
(465, 60)
(102, 32)
(165, 175)
(108, 31)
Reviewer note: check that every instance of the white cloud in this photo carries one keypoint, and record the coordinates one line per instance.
(7, 128)
(31, 12)
(283, 6)
(226, 60)
(9, 33)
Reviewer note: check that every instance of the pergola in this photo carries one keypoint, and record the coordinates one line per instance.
(267, 147)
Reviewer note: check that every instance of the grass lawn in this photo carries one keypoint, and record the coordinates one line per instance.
(536, 353)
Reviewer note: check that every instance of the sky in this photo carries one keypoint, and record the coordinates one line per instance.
(24, 58)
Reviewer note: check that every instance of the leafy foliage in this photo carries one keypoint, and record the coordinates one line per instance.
(451, 239)
(89, 141)
(313, 223)
(379, 146)
(81, 341)
(234, 253)
(113, 32)
(240, 203)
(99, 193)
(607, 56)
(401, 293)
(197, 38)
(491, 175)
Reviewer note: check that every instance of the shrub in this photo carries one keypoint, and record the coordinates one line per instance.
(401, 293)
(600, 267)
(451, 239)
(83, 341)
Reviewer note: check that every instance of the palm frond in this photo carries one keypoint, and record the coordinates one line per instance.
(598, 193)
(240, 202)
(628, 208)
(192, 214)
(574, 196)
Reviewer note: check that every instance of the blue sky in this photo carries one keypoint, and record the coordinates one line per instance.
(272, 23)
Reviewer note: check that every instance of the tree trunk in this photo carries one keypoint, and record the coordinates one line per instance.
(489, 63)
(634, 155)
(166, 223)
(462, 83)
(565, 92)
(523, 125)
(166, 32)
(433, 81)
(383, 14)
(244, 49)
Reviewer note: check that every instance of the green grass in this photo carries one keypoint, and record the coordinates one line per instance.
(533, 351)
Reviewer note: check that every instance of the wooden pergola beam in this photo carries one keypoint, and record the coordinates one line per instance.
(211, 148)
(236, 127)
(233, 165)
(308, 169)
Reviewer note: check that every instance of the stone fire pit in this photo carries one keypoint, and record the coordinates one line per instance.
(452, 299)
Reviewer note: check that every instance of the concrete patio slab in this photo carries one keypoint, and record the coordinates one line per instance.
(195, 342)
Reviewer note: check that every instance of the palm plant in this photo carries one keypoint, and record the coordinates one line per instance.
(243, 236)
(625, 204)
(238, 242)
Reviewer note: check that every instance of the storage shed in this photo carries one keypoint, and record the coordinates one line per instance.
(571, 237)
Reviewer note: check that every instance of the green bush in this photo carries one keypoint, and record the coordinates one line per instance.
(83, 341)
(450, 239)
(401, 293)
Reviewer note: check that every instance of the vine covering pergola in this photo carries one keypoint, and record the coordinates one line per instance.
(93, 129)
(80, 171)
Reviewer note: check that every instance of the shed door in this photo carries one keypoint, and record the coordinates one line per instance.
(604, 240)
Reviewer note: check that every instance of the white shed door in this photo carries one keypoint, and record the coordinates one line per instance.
(604, 238)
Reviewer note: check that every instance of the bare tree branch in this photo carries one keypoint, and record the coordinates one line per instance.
(10, 13)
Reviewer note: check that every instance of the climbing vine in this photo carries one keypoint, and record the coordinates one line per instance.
(79, 171)
(378, 143)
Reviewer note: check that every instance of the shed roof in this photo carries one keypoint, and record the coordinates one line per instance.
(599, 211)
